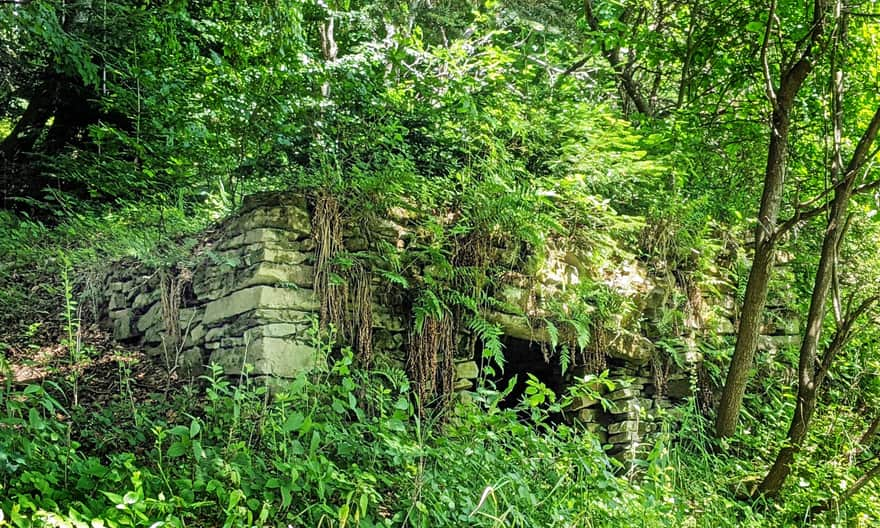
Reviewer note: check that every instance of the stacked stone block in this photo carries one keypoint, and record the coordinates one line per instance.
(248, 300)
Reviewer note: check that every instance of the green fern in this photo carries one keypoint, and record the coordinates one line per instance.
(489, 335)
(427, 305)
(393, 277)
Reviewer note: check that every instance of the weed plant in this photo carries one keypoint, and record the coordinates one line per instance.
(339, 447)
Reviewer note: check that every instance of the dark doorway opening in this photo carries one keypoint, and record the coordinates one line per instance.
(522, 358)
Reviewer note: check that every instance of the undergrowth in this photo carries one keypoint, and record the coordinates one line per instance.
(341, 447)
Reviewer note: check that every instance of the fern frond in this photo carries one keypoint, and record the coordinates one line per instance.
(490, 335)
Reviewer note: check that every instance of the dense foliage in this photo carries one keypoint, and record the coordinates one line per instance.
(632, 130)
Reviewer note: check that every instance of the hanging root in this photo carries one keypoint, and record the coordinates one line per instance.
(363, 316)
(594, 360)
(660, 368)
(171, 286)
(331, 293)
(345, 295)
(430, 361)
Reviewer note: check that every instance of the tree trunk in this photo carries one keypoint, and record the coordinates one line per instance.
(766, 231)
(809, 375)
(759, 276)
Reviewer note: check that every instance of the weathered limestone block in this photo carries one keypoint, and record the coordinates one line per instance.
(516, 300)
(633, 348)
(278, 315)
(262, 236)
(191, 362)
(117, 301)
(518, 326)
(262, 297)
(215, 334)
(467, 369)
(559, 274)
(292, 217)
(145, 299)
(122, 323)
(722, 325)
(593, 427)
(194, 335)
(630, 426)
(389, 230)
(155, 335)
(301, 275)
(625, 393)
(631, 407)
(774, 343)
(276, 330)
(637, 382)
(152, 318)
(589, 415)
(727, 305)
(626, 437)
(463, 384)
(582, 402)
(273, 356)
(259, 274)
(278, 256)
(782, 324)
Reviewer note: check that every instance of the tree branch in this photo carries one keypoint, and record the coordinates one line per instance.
(858, 160)
(765, 65)
(842, 336)
(846, 495)
(612, 55)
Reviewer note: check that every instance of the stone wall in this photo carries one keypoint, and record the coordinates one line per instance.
(247, 298)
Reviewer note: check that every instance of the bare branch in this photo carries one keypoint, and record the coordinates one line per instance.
(612, 55)
(842, 337)
(846, 495)
(765, 65)
(858, 160)
(870, 432)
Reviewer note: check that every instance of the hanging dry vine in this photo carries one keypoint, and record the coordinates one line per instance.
(471, 252)
(345, 294)
(594, 360)
(430, 362)
(660, 369)
(362, 316)
(171, 286)
(331, 293)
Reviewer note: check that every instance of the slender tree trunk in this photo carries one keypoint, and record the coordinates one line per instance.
(806, 398)
(810, 376)
(759, 276)
(783, 101)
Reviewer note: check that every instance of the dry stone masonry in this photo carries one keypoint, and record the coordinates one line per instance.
(247, 299)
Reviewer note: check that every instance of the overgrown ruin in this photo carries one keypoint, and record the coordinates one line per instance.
(248, 298)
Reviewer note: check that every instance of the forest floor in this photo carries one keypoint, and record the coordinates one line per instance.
(105, 379)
